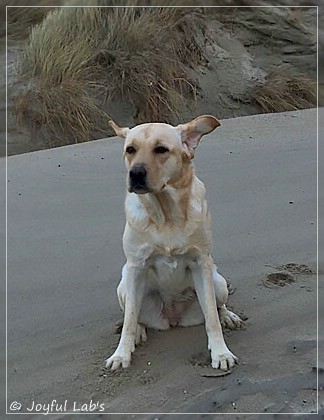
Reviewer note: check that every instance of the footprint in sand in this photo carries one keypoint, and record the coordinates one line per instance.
(279, 279)
(296, 268)
(285, 275)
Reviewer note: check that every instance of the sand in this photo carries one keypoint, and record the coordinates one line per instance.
(65, 222)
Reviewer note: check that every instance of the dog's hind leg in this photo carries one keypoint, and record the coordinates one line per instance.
(151, 312)
(227, 318)
(192, 316)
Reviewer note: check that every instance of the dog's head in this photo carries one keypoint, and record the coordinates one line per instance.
(157, 153)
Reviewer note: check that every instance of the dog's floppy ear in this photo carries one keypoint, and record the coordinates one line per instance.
(120, 131)
(192, 132)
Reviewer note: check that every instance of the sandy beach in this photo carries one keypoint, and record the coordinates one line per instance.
(65, 223)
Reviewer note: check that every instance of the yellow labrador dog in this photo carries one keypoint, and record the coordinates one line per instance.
(169, 278)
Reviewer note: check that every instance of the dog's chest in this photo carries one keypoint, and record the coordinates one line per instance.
(170, 274)
(170, 242)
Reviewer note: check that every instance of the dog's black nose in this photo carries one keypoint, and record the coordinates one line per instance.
(137, 177)
(138, 173)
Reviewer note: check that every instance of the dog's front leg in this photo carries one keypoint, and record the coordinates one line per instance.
(135, 278)
(202, 276)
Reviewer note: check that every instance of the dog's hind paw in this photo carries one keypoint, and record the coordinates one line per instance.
(229, 319)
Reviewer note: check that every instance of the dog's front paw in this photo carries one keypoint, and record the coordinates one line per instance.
(223, 359)
(120, 358)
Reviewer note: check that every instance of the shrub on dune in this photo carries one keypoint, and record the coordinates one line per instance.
(20, 20)
(282, 93)
(78, 59)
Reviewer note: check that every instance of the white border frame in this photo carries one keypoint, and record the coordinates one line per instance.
(317, 264)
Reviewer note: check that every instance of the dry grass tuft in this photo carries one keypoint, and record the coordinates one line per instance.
(80, 59)
(62, 114)
(22, 19)
(280, 93)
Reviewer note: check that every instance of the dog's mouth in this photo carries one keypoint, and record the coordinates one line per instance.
(139, 189)
(144, 189)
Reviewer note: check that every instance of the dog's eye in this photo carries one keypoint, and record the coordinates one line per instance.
(161, 149)
(130, 150)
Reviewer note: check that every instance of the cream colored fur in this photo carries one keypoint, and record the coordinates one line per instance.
(169, 278)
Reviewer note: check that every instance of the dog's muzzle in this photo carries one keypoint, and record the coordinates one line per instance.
(138, 179)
